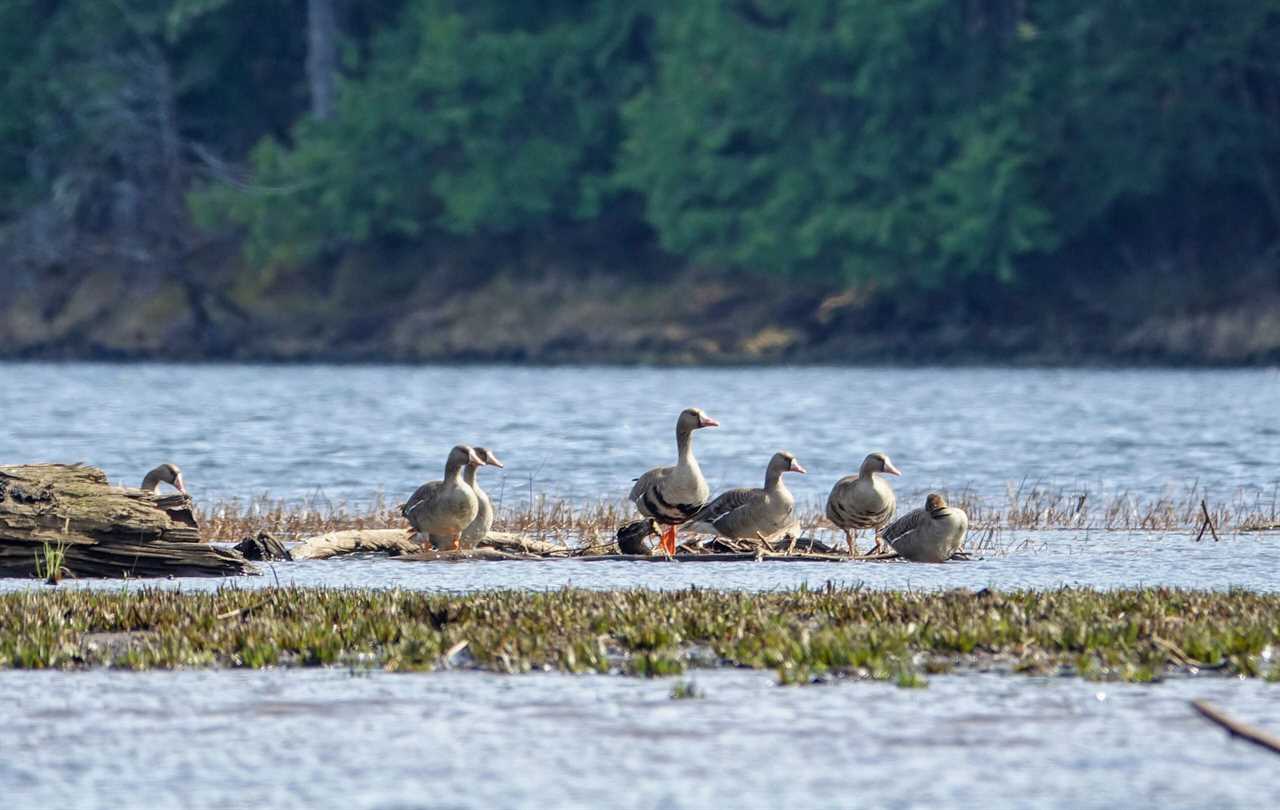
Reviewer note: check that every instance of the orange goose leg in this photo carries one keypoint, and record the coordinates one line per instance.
(668, 541)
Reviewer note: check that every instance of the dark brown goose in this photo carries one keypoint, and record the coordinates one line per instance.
(164, 474)
(753, 514)
(671, 495)
(931, 534)
(863, 501)
(448, 506)
(479, 528)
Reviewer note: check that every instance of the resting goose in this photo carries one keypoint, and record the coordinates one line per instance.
(164, 474)
(931, 534)
(753, 514)
(671, 495)
(479, 528)
(445, 507)
(863, 501)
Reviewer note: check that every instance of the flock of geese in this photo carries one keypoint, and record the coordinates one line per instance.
(455, 510)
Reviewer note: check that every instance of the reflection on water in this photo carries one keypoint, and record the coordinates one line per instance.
(583, 433)
(330, 738)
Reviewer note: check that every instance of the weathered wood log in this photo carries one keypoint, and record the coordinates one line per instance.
(399, 542)
(100, 530)
(462, 555)
(1236, 728)
(355, 541)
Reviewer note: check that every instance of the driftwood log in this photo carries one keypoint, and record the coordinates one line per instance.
(398, 542)
(52, 511)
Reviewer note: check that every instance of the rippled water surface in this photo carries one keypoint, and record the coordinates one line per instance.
(330, 738)
(584, 433)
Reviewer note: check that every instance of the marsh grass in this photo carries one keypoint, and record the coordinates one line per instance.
(1025, 507)
(50, 562)
(802, 635)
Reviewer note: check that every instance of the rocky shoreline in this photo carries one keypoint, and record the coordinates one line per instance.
(675, 318)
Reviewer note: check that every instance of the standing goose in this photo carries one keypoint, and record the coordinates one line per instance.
(445, 507)
(753, 514)
(164, 474)
(479, 528)
(863, 501)
(931, 534)
(671, 495)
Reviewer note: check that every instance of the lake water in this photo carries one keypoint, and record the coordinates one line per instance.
(333, 738)
(345, 433)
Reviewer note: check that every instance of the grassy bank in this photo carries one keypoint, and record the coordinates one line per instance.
(803, 635)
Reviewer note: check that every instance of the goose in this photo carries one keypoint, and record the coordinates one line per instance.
(164, 474)
(863, 501)
(671, 495)
(931, 534)
(753, 514)
(445, 507)
(477, 529)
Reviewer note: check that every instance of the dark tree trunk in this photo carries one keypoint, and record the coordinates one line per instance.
(322, 56)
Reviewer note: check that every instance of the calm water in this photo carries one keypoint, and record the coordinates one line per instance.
(583, 433)
(1046, 559)
(329, 738)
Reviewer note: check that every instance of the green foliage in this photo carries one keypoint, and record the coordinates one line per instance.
(915, 141)
(470, 118)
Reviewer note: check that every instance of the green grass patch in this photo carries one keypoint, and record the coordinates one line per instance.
(803, 635)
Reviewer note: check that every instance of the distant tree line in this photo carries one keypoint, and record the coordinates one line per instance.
(915, 140)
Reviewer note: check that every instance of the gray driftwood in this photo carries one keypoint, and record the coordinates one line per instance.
(398, 542)
(101, 530)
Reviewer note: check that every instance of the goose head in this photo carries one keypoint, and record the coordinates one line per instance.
(486, 455)
(693, 418)
(877, 462)
(934, 504)
(164, 474)
(460, 456)
(782, 462)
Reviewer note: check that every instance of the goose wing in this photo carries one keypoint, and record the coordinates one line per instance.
(904, 526)
(652, 495)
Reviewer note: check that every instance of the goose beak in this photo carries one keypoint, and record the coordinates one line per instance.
(474, 459)
(177, 483)
(795, 467)
(494, 462)
(707, 421)
(890, 469)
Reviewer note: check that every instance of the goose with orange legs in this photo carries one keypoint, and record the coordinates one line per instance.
(864, 501)
(448, 506)
(671, 495)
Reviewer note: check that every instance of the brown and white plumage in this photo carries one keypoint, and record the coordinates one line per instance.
(753, 514)
(671, 495)
(931, 534)
(164, 474)
(865, 500)
(448, 506)
(477, 529)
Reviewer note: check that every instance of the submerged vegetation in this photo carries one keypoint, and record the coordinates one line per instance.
(803, 635)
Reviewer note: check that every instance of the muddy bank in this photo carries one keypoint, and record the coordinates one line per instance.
(421, 308)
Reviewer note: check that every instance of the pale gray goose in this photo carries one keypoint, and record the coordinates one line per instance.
(448, 506)
(479, 528)
(164, 474)
(863, 501)
(671, 495)
(753, 514)
(931, 534)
